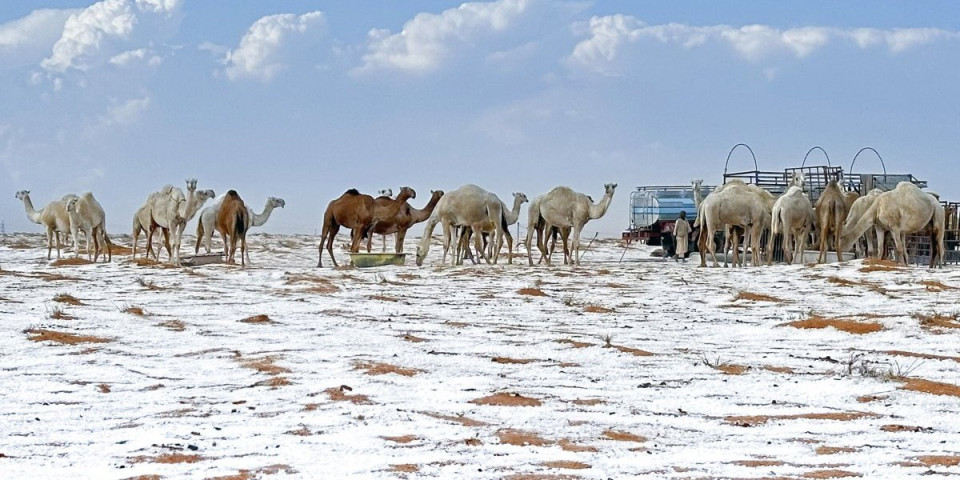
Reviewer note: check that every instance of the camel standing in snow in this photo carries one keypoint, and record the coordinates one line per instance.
(564, 208)
(904, 210)
(468, 205)
(87, 215)
(510, 217)
(53, 217)
(208, 220)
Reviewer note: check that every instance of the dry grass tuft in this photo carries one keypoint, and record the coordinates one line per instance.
(928, 356)
(936, 286)
(303, 431)
(870, 398)
(757, 297)
(69, 262)
(63, 338)
(633, 351)
(831, 474)
(258, 319)
(939, 460)
(319, 285)
(264, 365)
(402, 439)
(120, 250)
(566, 464)
(68, 299)
(512, 361)
(878, 265)
(274, 382)
(405, 468)
(588, 402)
(377, 368)
(574, 343)
(927, 386)
(758, 463)
(383, 298)
(504, 399)
(849, 326)
(842, 281)
(134, 311)
(896, 428)
(532, 291)
(825, 450)
(338, 395)
(597, 309)
(462, 420)
(104, 388)
(413, 339)
(168, 458)
(58, 314)
(520, 438)
(173, 325)
(754, 420)
(731, 369)
(568, 446)
(937, 320)
(771, 368)
(624, 436)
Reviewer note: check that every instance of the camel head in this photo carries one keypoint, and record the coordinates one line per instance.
(407, 192)
(436, 194)
(23, 194)
(797, 180)
(609, 188)
(191, 184)
(71, 204)
(276, 202)
(386, 192)
(205, 195)
(520, 197)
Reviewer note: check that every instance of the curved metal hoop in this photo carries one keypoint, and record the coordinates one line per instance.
(815, 147)
(727, 163)
(875, 152)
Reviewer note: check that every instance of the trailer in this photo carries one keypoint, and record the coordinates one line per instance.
(654, 210)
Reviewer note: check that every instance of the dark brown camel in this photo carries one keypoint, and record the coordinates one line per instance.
(352, 210)
(389, 212)
(232, 224)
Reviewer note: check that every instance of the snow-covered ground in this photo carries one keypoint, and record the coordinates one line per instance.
(610, 370)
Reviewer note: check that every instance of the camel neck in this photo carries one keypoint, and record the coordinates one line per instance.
(32, 214)
(258, 219)
(598, 210)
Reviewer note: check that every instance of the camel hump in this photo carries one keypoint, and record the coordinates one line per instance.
(233, 194)
(352, 191)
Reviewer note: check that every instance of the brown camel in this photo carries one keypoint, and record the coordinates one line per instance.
(412, 216)
(232, 221)
(831, 209)
(390, 212)
(352, 210)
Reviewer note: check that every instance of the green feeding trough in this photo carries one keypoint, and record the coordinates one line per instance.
(364, 260)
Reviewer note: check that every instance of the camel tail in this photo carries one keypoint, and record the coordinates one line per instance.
(775, 222)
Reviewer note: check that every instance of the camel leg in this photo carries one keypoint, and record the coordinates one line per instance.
(575, 246)
(243, 250)
(398, 239)
(509, 237)
(837, 233)
(901, 251)
(787, 248)
(548, 230)
(530, 232)
(823, 247)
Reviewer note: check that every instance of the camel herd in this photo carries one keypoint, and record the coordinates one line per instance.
(465, 212)
(167, 209)
(838, 217)
(738, 209)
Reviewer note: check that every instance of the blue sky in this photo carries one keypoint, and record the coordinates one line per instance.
(303, 100)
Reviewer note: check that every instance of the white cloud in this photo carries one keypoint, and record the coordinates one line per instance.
(609, 35)
(428, 38)
(30, 37)
(92, 35)
(140, 55)
(259, 55)
(125, 113)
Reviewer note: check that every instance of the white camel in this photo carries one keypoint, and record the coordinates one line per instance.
(87, 215)
(904, 210)
(857, 209)
(510, 217)
(169, 209)
(468, 205)
(734, 204)
(792, 215)
(564, 208)
(53, 217)
(208, 220)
